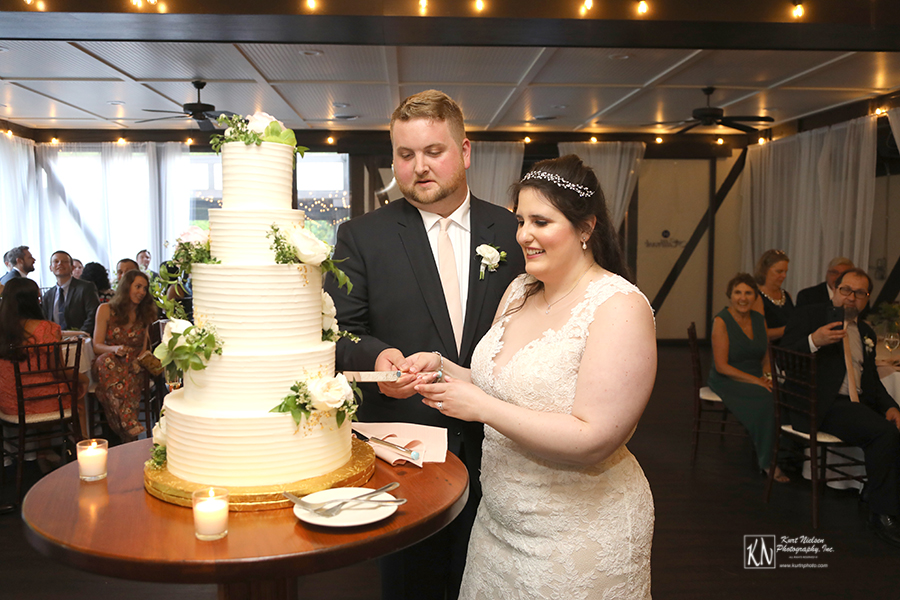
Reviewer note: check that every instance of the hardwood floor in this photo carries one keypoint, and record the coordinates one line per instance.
(702, 516)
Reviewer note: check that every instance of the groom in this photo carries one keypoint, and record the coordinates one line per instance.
(416, 287)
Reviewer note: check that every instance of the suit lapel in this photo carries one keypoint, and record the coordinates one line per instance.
(418, 251)
(482, 233)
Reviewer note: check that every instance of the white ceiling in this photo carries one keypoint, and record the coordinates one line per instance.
(71, 85)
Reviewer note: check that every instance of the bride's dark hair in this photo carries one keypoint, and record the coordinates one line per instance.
(577, 208)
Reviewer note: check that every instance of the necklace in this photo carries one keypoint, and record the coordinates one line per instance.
(550, 304)
(773, 300)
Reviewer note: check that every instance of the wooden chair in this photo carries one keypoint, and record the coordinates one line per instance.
(709, 409)
(794, 389)
(57, 362)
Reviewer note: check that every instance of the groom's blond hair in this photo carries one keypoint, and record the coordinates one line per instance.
(434, 105)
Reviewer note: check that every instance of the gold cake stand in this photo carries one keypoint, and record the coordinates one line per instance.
(358, 470)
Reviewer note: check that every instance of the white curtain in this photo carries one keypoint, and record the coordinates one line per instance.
(104, 202)
(19, 223)
(811, 195)
(495, 166)
(617, 166)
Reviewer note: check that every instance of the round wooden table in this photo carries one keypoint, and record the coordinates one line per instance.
(113, 527)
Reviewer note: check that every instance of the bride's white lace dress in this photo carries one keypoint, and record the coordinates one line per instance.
(545, 529)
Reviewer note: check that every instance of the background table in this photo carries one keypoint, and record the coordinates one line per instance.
(113, 527)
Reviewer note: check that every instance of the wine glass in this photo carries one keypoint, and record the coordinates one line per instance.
(892, 341)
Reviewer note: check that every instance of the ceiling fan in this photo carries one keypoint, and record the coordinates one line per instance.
(204, 114)
(708, 116)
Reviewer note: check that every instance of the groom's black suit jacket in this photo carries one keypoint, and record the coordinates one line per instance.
(830, 367)
(398, 302)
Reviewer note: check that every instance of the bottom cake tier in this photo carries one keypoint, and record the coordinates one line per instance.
(250, 448)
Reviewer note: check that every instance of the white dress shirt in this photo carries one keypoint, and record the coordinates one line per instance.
(460, 234)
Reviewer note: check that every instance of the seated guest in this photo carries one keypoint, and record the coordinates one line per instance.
(120, 335)
(71, 303)
(773, 302)
(852, 403)
(824, 291)
(20, 263)
(143, 260)
(97, 274)
(740, 373)
(22, 323)
(123, 266)
(77, 268)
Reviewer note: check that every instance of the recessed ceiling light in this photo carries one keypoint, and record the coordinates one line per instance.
(339, 105)
(544, 118)
(311, 53)
(115, 102)
(345, 117)
(619, 56)
(559, 106)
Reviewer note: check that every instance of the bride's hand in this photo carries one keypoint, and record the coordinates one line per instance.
(422, 362)
(454, 398)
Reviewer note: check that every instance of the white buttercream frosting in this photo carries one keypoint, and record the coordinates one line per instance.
(219, 430)
(239, 236)
(257, 177)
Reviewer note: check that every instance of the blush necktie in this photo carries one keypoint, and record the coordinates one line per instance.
(851, 372)
(450, 280)
(61, 307)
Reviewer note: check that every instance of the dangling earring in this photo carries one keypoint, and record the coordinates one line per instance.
(584, 243)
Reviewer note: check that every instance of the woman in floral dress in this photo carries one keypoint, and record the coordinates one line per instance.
(120, 335)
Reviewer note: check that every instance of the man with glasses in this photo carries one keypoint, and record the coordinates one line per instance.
(852, 403)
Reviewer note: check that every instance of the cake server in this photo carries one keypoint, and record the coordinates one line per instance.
(410, 453)
(372, 376)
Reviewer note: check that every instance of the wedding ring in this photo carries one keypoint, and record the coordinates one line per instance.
(440, 405)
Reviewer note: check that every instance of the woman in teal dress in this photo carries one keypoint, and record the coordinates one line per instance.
(740, 374)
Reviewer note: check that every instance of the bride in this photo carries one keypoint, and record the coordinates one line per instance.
(560, 382)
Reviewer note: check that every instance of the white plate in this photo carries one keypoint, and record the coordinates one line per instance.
(360, 514)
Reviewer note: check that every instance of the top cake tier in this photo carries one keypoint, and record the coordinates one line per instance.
(257, 177)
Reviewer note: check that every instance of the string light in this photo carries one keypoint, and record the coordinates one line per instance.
(189, 141)
(762, 141)
(720, 141)
(41, 6)
(659, 140)
(527, 140)
(54, 141)
(9, 133)
(479, 5)
(798, 9)
(879, 111)
(330, 140)
(642, 7)
(423, 6)
(121, 141)
(593, 140)
(311, 4)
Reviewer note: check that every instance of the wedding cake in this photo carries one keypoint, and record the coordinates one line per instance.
(218, 428)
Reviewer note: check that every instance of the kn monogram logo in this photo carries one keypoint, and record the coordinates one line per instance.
(759, 551)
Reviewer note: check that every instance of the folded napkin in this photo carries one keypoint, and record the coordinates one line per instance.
(429, 442)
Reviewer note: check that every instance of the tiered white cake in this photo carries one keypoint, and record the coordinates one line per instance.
(219, 430)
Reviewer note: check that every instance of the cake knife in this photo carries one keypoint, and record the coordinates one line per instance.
(372, 376)
(410, 453)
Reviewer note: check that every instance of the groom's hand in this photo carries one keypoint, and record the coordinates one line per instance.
(390, 360)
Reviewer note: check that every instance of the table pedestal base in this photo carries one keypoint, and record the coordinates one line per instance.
(358, 470)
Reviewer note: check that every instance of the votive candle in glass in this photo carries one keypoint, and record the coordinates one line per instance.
(210, 513)
(92, 459)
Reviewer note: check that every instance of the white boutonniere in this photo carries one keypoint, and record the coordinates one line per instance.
(491, 257)
(870, 345)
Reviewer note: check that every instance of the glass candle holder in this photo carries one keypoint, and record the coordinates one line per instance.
(210, 513)
(92, 459)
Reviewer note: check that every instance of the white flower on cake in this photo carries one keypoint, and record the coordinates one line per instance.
(310, 249)
(329, 313)
(159, 431)
(258, 122)
(174, 326)
(329, 393)
(194, 235)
